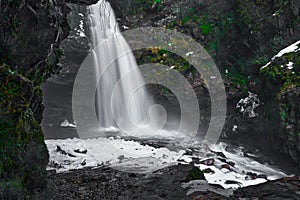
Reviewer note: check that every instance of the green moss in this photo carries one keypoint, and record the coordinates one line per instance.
(185, 20)
(237, 81)
(158, 55)
(59, 52)
(18, 126)
(195, 174)
(7, 146)
(171, 24)
(11, 190)
(164, 91)
(204, 20)
(281, 75)
(211, 46)
(9, 90)
(279, 6)
(144, 6)
(205, 28)
(249, 16)
(236, 75)
(283, 115)
(262, 60)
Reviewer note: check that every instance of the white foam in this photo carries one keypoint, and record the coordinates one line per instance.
(66, 124)
(131, 156)
(108, 151)
(238, 172)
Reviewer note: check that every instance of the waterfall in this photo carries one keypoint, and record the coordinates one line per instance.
(121, 97)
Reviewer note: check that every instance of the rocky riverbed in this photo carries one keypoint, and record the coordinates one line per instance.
(172, 182)
(146, 169)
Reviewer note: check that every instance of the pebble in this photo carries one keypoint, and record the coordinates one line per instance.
(208, 171)
(226, 166)
(209, 161)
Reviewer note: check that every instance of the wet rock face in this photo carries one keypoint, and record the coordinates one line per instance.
(281, 110)
(30, 33)
(29, 28)
(289, 112)
(241, 36)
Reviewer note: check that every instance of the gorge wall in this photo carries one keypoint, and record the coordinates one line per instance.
(30, 34)
(241, 36)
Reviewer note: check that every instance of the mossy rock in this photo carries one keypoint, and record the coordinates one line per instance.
(11, 190)
(24, 155)
(282, 76)
(195, 174)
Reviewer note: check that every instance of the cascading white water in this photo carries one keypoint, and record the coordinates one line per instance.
(120, 100)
